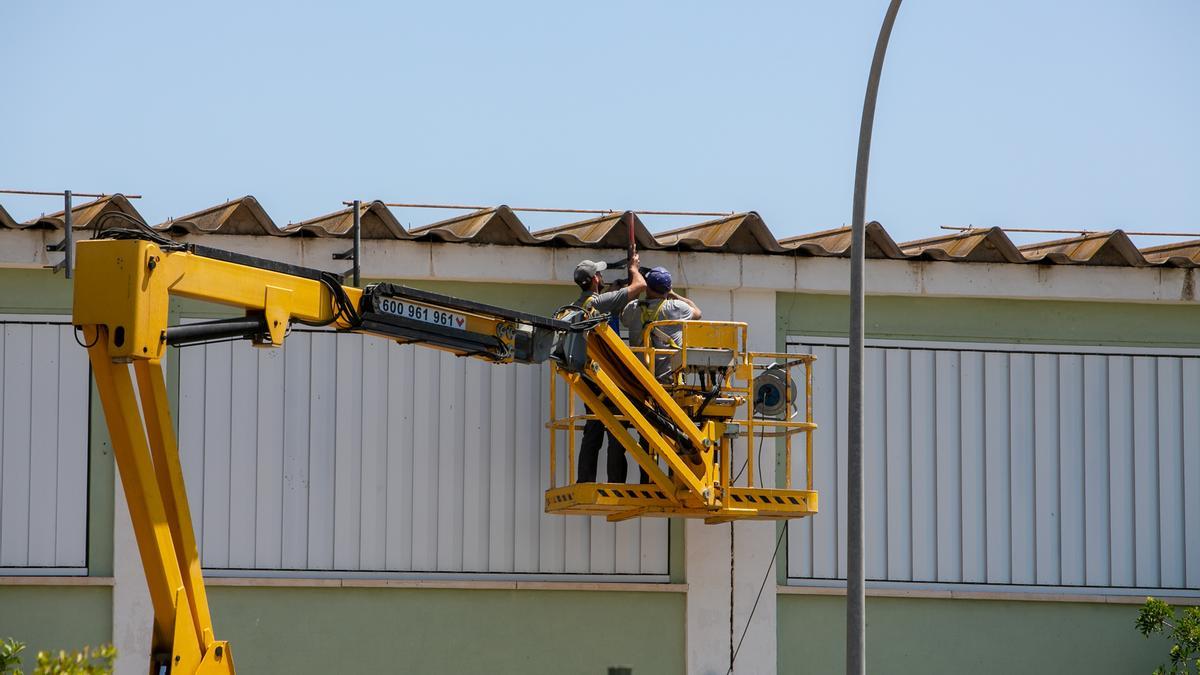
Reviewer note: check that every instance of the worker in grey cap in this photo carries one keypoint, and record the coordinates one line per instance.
(593, 301)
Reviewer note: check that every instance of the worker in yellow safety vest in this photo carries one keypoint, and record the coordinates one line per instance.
(660, 304)
(593, 302)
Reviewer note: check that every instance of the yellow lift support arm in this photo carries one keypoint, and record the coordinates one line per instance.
(123, 285)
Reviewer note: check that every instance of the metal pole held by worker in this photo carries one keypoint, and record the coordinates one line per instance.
(632, 245)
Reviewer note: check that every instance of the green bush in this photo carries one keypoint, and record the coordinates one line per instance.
(98, 661)
(10, 656)
(1157, 616)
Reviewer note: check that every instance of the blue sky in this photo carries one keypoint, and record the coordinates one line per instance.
(1017, 114)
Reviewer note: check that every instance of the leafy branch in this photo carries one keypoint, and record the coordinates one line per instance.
(1156, 616)
(98, 661)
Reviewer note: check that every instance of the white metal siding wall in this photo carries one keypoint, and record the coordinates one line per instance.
(1012, 467)
(43, 446)
(352, 453)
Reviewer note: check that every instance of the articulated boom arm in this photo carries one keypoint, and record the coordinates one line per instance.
(122, 292)
(125, 285)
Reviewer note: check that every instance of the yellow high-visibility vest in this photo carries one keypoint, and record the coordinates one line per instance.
(652, 314)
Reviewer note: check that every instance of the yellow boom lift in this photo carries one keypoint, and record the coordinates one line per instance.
(717, 391)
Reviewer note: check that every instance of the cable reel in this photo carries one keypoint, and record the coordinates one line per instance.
(774, 392)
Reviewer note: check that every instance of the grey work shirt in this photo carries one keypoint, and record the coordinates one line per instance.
(641, 312)
(604, 303)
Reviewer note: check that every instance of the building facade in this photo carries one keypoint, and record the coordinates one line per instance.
(1033, 457)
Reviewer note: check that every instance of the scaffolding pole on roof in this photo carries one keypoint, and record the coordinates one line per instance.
(46, 193)
(546, 209)
(355, 253)
(67, 245)
(1081, 232)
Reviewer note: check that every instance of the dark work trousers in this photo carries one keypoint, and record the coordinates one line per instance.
(589, 448)
(644, 480)
(589, 453)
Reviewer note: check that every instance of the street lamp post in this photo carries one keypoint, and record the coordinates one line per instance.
(856, 616)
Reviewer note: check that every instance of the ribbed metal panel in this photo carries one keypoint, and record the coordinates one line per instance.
(350, 453)
(43, 446)
(1012, 466)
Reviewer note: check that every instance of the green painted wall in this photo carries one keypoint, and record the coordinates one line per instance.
(55, 617)
(382, 630)
(34, 291)
(967, 636)
(994, 320)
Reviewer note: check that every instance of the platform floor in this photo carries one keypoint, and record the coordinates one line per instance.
(620, 501)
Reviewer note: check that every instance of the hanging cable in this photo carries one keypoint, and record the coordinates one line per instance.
(718, 382)
(749, 619)
(140, 230)
(343, 307)
(346, 311)
(583, 325)
(761, 438)
(80, 342)
(758, 459)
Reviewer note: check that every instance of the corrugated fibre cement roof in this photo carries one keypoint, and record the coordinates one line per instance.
(739, 233)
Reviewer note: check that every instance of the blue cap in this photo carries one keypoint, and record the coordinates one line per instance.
(658, 279)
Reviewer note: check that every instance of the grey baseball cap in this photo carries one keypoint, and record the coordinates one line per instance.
(587, 269)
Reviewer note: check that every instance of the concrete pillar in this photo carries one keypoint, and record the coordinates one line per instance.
(706, 567)
(133, 617)
(721, 561)
(754, 542)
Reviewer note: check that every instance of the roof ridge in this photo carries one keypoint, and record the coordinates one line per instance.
(213, 219)
(583, 223)
(708, 223)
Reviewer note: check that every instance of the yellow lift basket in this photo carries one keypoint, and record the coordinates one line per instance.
(711, 394)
